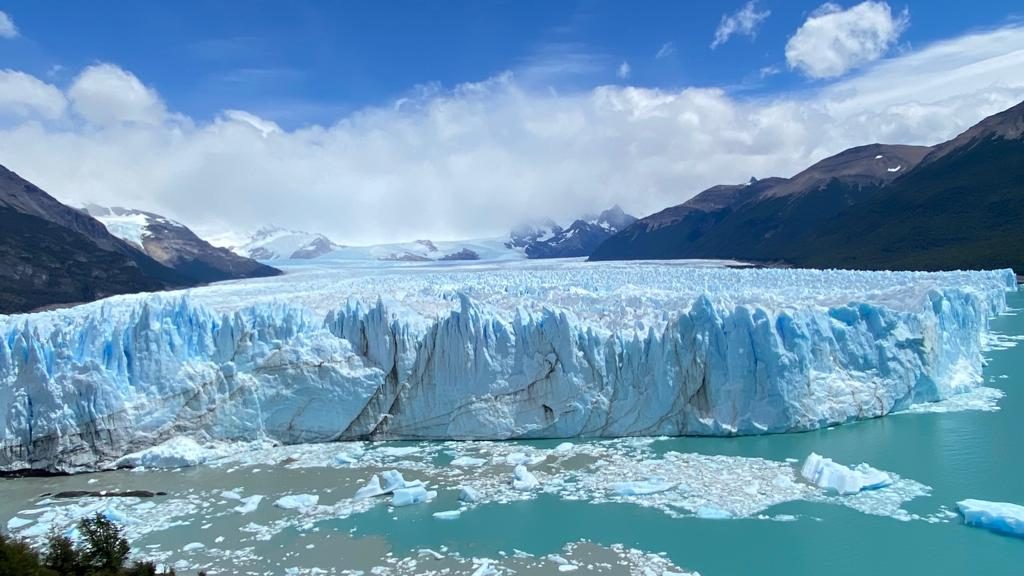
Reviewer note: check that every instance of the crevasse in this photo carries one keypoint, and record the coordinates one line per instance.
(76, 396)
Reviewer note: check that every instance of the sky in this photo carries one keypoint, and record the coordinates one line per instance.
(387, 121)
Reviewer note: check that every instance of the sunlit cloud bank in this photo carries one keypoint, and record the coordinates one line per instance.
(475, 159)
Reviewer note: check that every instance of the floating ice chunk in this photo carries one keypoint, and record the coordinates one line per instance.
(828, 475)
(448, 515)
(178, 452)
(348, 457)
(427, 552)
(568, 568)
(469, 495)
(115, 515)
(393, 480)
(230, 495)
(297, 501)
(516, 458)
(409, 496)
(15, 523)
(372, 488)
(642, 487)
(712, 513)
(564, 448)
(485, 569)
(468, 461)
(523, 479)
(398, 451)
(1000, 517)
(249, 504)
(193, 546)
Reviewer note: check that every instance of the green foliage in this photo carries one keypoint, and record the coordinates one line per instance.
(61, 556)
(103, 552)
(105, 549)
(16, 558)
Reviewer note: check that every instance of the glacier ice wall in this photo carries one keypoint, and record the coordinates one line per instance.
(77, 394)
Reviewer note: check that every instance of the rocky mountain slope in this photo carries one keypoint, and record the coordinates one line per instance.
(174, 245)
(579, 239)
(276, 243)
(955, 205)
(52, 254)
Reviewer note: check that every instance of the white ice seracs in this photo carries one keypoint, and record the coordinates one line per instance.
(596, 350)
(1001, 517)
(829, 475)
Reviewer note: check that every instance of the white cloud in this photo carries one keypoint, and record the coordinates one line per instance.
(833, 41)
(7, 27)
(23, 95)
(745, 22)
(106, 95)
(667, 49)
(624, 70)
(476, 159)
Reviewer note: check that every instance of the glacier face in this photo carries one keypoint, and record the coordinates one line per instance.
(486, 352)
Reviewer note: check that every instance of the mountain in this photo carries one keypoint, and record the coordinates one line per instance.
(52, 254)
(275, 243)
(579, 239)
(962, 207)
(174, 245)
(763, 219)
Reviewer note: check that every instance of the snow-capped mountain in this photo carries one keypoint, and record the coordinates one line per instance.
(276, 243)
(52, 254)
(579, 239)
(174, 245)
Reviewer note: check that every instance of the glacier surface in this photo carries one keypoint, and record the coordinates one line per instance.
(486, 352)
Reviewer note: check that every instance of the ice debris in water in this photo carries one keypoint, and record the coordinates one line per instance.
(469, 495)
(249, 504)
(641, 487)
(828, 475)
(412, 495)
(297, 501)
(1001, 517)
(524, 480)
(177, 452)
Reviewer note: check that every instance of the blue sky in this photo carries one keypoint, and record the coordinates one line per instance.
(387, 121)
(302, 62)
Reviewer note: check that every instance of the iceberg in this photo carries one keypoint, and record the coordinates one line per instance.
(490, 353)
(828, 475)
(468, 495)
(410, 496)
(178, 452)
(297, 501)
(1000, 517)
(641, 487)
(249, 504)
(523, 480)
(468, 461)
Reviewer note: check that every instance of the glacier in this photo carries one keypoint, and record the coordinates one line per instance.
(484, 351)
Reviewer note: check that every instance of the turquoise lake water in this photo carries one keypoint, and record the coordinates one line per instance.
(959, 455)
(969, 454)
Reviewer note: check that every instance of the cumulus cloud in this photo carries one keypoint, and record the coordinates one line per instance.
(744, 22)
(833, 41)
(23, 95)
(623, 70)
(7, 27)
(106, 95)
(474, 160)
